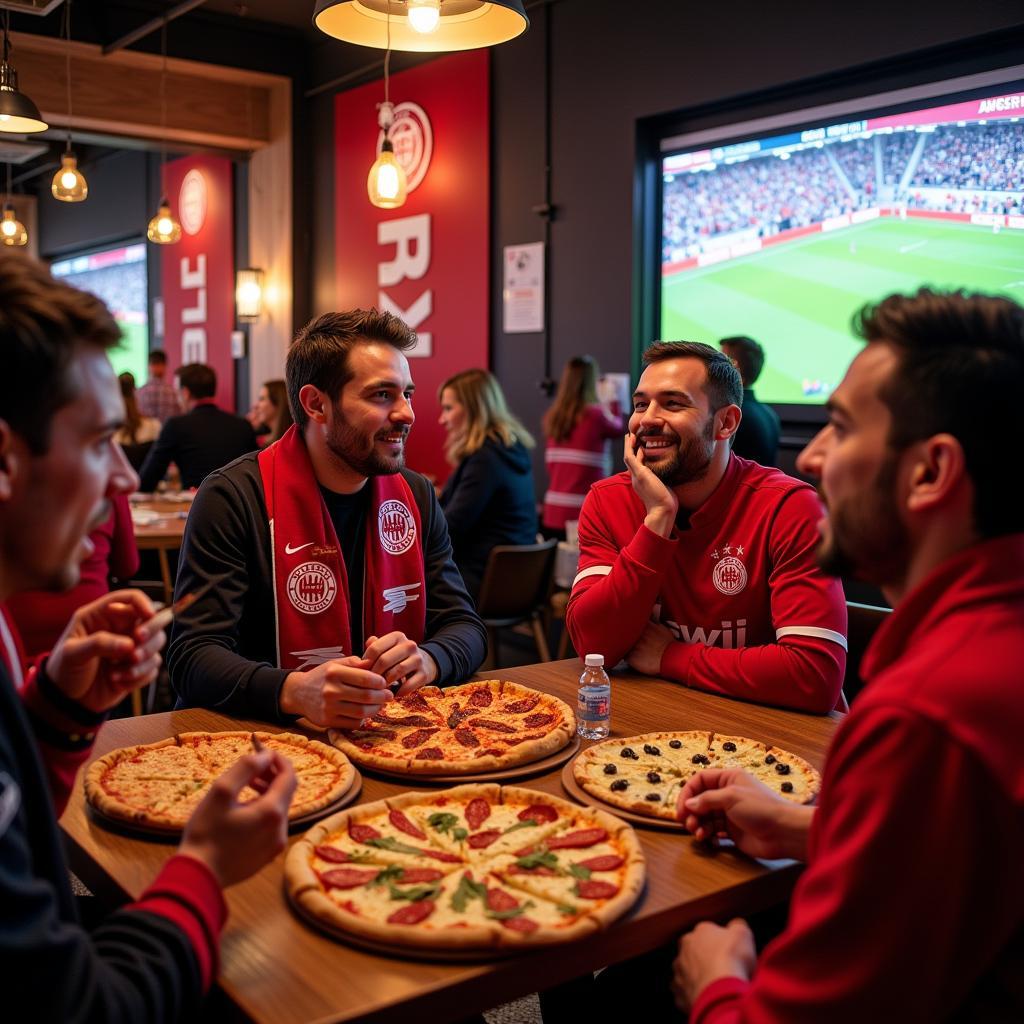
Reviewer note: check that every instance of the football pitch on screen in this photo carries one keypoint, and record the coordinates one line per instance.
(797, 298)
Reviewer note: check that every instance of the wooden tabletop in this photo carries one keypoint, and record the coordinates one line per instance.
(275, 968)
(168, 529)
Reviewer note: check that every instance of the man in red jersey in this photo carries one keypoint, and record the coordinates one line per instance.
(698, 565)
(912, 904)
(60, 408)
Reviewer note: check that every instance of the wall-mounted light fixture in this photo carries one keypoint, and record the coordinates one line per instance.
(18, 114)
(249, 294)
(429, 26)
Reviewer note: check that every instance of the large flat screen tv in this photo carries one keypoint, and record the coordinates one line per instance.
(781, 229)
(117, 276)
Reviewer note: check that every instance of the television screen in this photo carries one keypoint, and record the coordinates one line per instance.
(118, 277)
(783, 237)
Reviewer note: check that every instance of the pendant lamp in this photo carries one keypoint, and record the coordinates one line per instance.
(18, 114)
(12, 231)
(164, 228)
(69, 184)
(423, 26)
(386, 183)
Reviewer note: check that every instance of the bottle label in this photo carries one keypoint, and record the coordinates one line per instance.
(594, 707)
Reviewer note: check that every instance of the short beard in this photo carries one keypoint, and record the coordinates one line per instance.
(871, 543)
(348, 443)
(691, 462)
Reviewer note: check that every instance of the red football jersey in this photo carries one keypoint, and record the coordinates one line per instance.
(752, 614)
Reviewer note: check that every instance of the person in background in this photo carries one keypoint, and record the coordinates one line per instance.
(489, 499)
(139, 432)
(915, 847)
(697, 565)
(758, 435)
(205, 438)
(156, 397)
(41, 615)
(60, 468)
(576, 427)
(271, 410)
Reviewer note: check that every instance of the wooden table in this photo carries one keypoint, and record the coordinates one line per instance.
(275, 968)
(163, 535)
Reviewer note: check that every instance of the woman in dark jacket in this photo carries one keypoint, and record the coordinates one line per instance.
(490, 497)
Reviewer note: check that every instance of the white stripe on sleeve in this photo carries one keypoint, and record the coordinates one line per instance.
(815, 631)
(594, 570)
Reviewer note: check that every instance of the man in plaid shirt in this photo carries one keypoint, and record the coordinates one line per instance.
(157, 398)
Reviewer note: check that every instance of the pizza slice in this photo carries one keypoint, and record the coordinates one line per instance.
(737, 752)
(788, 775)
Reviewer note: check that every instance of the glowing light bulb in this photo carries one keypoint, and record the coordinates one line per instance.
(68, 179)
(9, 228)
(12, 231)
(69, 184)
(164, 228)
(386, 184)
(424, 15)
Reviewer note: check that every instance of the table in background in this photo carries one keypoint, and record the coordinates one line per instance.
(276, 969)
(163, 534)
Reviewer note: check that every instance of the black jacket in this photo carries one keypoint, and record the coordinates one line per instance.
(489, 500)
(136, 966)
(758, 434)
(222, 651)
(199, 442)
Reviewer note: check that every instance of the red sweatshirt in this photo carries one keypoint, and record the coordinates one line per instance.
(752, 614)
(912, 905)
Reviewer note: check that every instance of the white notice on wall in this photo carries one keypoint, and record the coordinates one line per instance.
(524, 288)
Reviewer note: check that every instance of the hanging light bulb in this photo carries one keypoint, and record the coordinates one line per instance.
(424, 15)
(69, 184)
(386, 183)
(164, 228)
(18, 114)
(12, 231)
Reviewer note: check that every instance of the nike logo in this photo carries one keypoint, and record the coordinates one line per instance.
(289, 550)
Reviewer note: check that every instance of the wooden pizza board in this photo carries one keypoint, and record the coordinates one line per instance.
(519, 771)
(138, 830)
(578, 793)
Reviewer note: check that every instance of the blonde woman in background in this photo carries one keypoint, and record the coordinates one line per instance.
(489, 499)
(271, 410)
(576, 427)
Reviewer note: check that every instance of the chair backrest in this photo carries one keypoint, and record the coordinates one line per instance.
(863, 620)
(517, 581)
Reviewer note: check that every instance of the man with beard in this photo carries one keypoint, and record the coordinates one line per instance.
(333, 587)
(912, 904)
(697, 565)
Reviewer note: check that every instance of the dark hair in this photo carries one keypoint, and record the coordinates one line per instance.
(748, 355)
(319, 354)
(132, 416)
(961, 372)
(198, 378)
(723, 386)
(43, 323)
(576, 390)
(158, 357)
(278, 395)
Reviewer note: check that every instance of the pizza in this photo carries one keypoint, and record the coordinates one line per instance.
(461, 730)
(159, 784)
(644, 774)
(476, 867)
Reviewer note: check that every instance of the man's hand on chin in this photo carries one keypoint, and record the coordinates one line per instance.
(708, 953)
(647, 652)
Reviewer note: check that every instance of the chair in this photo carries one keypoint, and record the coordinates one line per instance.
(863, 620)
(515, 588)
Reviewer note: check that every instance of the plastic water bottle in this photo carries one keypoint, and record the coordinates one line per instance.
(594, 700)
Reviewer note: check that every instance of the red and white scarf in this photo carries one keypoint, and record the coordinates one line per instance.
(311, 592)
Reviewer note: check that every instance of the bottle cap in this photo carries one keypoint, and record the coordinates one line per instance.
(594, 660)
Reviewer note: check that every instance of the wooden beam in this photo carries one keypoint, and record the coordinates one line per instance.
(119, 94)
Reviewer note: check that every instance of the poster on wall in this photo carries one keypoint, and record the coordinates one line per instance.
(523, 291)
(425, 261)
(197, 273)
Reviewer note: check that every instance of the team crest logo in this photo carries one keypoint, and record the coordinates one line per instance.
(192, 202)
(730, 574)
(312, 588)
(413, 139)
(396, 527)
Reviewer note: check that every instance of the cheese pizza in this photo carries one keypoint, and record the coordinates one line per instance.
(644, 774)
(475, 867)
(461, 730)
(158, 785)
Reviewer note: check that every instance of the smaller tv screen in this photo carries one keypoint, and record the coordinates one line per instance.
(118, 277)
(784, 237)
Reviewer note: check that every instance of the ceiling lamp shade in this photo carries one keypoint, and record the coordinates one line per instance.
(457, 24)
(12, 231)
(164, 228)
(69, 184)
(18, 114)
